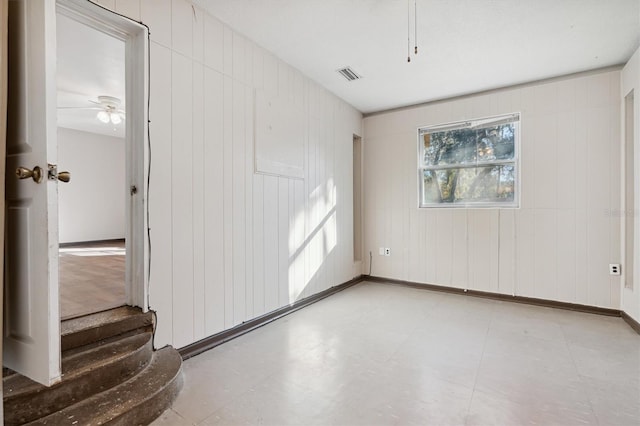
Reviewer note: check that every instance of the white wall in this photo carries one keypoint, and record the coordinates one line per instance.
(228, 245)
(631, 81)
(92, 205)
(557, 246)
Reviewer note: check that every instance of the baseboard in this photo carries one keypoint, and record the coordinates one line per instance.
(503, 297)
(632, 323)
(217, 339)
(89, 243)
(224, 336)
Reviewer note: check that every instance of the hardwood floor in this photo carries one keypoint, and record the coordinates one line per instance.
(91, 277)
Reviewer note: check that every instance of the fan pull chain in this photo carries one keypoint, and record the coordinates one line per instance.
(408, 31)
(415, 26)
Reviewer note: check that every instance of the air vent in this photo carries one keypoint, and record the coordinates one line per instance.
(349, 74)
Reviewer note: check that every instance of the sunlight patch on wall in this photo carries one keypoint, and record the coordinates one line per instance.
(306, 256)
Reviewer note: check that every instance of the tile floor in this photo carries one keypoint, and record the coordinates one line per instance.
(379, 354)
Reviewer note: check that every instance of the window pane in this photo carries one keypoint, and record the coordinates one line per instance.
(496, 143)
(448, 182)
(469, 185)
(430, 191)
(450, 147)
(464, 146)
(485, 184)
(507, 186)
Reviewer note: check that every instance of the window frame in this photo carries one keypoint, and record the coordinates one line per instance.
(483, 122)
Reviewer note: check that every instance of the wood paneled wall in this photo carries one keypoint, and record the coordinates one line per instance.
(557, 246)
(228, 245)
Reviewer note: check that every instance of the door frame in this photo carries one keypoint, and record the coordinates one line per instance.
(4, 16)
(136, 39)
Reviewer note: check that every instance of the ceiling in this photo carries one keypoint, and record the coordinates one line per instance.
(90, 64)
(465, 46)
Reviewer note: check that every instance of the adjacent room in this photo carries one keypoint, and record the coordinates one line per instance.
(374, 212)
(90, 87)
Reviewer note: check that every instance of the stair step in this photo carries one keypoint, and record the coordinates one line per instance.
(137, 401)
(85, 372)
(92, 328)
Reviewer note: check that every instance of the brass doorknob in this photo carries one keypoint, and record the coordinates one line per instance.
(64, 176)
(35, 174)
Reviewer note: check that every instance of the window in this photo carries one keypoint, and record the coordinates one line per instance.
(470, 164)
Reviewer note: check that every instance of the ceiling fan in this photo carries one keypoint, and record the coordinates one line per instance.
(108, 108)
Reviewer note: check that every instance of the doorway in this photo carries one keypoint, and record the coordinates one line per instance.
(357, 198)
(629, 199)
(91, 117)
(118, 58)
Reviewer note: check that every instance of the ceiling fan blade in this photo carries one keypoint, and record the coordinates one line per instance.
(85, 108)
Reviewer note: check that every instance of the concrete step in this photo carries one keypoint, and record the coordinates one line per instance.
(86, 371)
(104, 325)
(138, 401)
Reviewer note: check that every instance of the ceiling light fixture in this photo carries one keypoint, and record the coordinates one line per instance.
(103, 116)
(115, 118)
(109, 116)
(110, 111)
(415, 28)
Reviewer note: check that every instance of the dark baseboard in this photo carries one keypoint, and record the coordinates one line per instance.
(90, 243)
(217, 339)
(224, 336)
(632, 323)
(497, 296)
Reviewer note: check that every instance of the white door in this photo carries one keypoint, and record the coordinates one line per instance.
(32, 324)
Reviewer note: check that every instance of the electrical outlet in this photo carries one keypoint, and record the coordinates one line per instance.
(614, 269)
(381, 251)
(387, 251)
